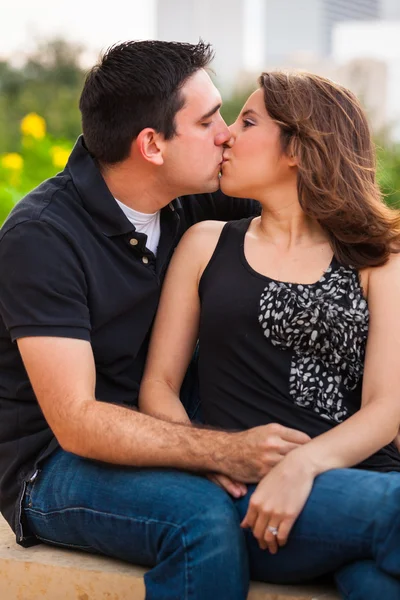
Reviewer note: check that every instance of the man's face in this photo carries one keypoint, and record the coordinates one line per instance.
(192, 158)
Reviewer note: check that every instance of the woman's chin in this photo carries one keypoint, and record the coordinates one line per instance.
(227, 186)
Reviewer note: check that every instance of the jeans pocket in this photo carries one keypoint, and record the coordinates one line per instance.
(27, 499)
(53, 528)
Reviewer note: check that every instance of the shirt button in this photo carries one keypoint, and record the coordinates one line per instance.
(133, 242)
(145, 260)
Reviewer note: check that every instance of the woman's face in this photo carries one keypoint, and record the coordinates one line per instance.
(254, 163)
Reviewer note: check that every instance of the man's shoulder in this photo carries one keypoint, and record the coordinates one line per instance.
(45, 203)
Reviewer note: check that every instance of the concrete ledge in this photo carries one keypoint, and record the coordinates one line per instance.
(46, 573)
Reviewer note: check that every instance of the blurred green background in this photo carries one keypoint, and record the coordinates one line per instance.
(40, 121)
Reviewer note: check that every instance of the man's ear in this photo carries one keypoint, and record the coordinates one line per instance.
(150, 145)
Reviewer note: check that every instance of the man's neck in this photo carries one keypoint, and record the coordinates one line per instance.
(140, 191)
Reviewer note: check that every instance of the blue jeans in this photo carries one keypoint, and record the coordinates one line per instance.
(182, 525)
(363, 580)
(187, 529)
(351, 515)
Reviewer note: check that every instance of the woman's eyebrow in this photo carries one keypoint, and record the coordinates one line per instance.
(249, 112)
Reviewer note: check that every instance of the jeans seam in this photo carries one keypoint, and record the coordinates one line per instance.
(185, 545)
(64, 545)
(135, 519)
(342, 589)
(99, 512)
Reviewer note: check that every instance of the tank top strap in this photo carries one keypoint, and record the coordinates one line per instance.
(226, 251)
(337, 266)
(233, 231)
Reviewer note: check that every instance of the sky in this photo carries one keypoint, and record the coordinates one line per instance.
(97, 25)
(93, 23)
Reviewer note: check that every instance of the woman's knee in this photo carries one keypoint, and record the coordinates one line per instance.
(363, 580)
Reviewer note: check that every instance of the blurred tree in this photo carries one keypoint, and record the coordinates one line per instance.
(389, 173)
(49, 84)
(231, 107)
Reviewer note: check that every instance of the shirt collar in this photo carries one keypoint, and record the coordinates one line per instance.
(94, 193)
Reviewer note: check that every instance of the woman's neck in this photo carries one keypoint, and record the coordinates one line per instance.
(284, 223)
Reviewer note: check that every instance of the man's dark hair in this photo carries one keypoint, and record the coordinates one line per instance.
(136, 84)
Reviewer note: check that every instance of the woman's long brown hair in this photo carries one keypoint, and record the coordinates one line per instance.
(323, 125)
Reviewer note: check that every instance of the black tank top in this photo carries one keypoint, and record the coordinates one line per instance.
(274, 352)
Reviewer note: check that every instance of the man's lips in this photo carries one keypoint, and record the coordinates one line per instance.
(223, 161)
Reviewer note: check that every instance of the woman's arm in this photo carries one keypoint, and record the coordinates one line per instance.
(281, 495)
(176, 326)
(175, 334)
(376, 424)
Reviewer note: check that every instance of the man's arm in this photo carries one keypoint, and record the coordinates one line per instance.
(44, 306)
(174, 336)
(62, 373)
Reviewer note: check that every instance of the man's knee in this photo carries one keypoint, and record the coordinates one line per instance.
(214, 529)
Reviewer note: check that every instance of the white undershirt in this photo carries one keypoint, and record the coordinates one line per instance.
(144, 223)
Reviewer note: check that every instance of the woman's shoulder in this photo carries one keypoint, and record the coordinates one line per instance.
(387, 274)
(203, 234)
(198, 243)
(206, 228)
(381, 281)
(211, 230)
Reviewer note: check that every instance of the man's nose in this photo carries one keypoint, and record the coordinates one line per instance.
(223, 135)
(224, 138)
(231, 138)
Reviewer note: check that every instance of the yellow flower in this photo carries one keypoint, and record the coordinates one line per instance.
(59, 156)
(12, 161)
(33, 125)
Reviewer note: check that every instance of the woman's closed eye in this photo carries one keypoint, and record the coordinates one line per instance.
(247, 123)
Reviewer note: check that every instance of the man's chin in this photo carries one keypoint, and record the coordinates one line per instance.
(211, 186)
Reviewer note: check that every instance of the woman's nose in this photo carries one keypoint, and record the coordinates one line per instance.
(231, 137)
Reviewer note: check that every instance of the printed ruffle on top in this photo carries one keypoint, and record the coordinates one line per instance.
(325, 325)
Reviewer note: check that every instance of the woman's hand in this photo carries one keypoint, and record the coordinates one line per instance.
(278, 500)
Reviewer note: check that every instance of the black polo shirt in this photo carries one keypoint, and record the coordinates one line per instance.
(72, 265)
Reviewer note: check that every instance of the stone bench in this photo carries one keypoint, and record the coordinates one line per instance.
(46, 573)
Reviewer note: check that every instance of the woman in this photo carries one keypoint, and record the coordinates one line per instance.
(297, 313)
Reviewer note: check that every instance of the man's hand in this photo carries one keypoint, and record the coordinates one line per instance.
(234, 488)
(253, 453)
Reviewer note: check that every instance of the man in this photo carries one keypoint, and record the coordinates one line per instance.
(82, 259)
